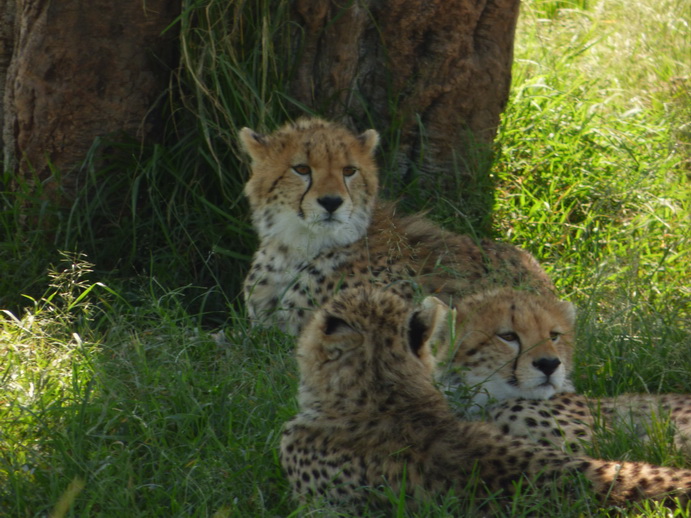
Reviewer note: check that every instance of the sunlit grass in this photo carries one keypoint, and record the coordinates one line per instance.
(593, 179)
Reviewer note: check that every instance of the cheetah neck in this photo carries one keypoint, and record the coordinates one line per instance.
(293, 258)
(420, 398)
(307, 240)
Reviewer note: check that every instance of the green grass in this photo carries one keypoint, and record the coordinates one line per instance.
(595, 161)
(120, 398)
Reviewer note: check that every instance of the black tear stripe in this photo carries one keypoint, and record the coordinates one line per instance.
(520, 345)
(274, 184)
(515, 362)
(301, 213)
(308, 156)
(347, 188)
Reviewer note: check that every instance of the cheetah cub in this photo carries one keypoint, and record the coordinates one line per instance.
(313, 196)
(370, 417)
(512, 361)
(508, 344)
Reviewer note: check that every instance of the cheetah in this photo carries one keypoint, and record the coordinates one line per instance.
(509, 344)
(511, 363)
(370, 417)
(574, 422)
(313, 195)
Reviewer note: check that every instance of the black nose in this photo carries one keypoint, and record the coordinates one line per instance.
(547, 365)
(330, 203)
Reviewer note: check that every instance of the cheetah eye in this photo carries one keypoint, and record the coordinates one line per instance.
(554, 336)
(508, 337)
(349, 170)
(302, 169)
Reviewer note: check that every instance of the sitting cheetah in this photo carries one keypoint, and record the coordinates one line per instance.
(313, 195)
(371, 417)
(515, 348)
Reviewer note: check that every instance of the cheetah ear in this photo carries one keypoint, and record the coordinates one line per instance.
(338, 337)
(334, 325)
(428, 329)
(254, 143)
(369, 140)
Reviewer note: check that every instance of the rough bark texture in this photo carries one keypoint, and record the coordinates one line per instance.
(444, 64)
(7, 19)
(81, 69)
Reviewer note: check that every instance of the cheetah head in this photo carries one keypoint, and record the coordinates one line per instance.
(356, 350)
(508, 344)
(313, 184)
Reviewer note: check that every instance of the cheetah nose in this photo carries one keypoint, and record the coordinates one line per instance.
(547, 365)
(330, 203)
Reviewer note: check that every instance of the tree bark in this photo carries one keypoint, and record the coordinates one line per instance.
(439, 71)
(7, 21)
(81, 69)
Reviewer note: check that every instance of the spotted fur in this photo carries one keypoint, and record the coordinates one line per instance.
(511, 363)
(508, 344)
(370, 417)
(576, 423)
(313, 195)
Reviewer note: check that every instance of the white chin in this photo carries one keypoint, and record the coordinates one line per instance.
(489, 390)
(314, 237)
(541, 392)
(500, 390)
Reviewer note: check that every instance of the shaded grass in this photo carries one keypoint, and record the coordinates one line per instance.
(130, 415)
(157, 417)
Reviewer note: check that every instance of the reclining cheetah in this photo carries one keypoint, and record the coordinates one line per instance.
(370, 417)
(509, 344)
(515, 348)
(313, 195)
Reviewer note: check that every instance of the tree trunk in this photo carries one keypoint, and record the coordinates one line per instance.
(7, 20)
(79, 70)
(439, 71)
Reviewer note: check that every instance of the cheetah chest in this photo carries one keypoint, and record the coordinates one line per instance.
(283, 289)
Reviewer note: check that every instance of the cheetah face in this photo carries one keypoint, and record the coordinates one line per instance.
(511, 344)
(313, 184)
(363, 341)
